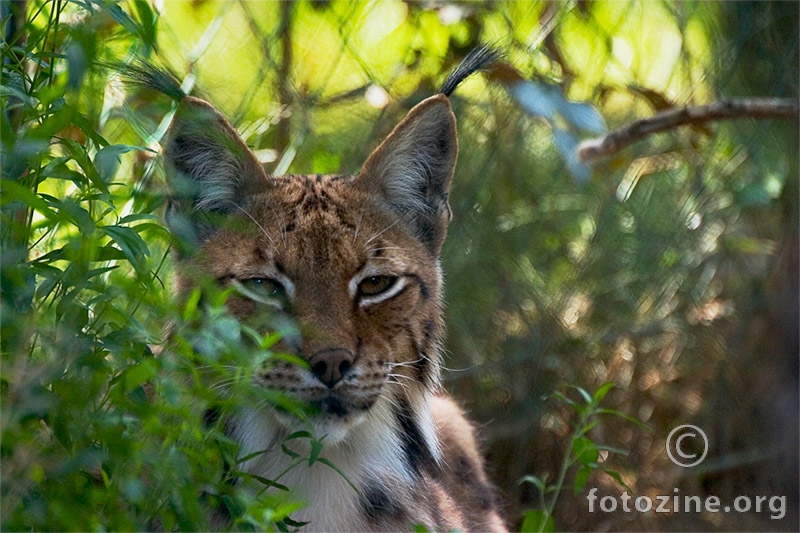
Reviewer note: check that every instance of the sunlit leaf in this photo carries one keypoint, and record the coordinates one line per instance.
(79, 155)
(74, 213)
(147, 26)
(14, 192)
(119, 15)
(130, 242)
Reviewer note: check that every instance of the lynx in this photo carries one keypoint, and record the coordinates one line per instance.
(354, 261)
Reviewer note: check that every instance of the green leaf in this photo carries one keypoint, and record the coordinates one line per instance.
(326, 462)
(107, 159)
(147, 26)
(282, 512)
(581, 478)
(131, 244)
(602, 391)
(269, 340)
(584, 450)
(585, 395)
(562, 398)
(234, 506)
(538, 521)
(629, 418)
(120, 16)
(57, 169)
(316, 449)
(264, 481)
(109, 253)
(77, 64)
(618, 478)
(14, 192)
(611, 449)
(136, 217)
(290, 453)
(299, 435)
(250, 456)
(14, 85)
(78, 153)
(190, 308)
(535, 481)
(70, 211)
(137, 375)
(587, 398)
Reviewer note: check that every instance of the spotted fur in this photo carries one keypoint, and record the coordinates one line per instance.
(354, 260)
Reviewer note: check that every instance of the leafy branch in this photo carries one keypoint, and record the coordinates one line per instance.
(582, 452)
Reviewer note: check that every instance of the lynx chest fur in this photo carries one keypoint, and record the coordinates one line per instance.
(354, 261)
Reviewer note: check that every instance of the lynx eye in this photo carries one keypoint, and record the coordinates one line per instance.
(265, 290)
(375, 285)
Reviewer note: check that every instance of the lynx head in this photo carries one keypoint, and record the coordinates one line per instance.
(353, 259)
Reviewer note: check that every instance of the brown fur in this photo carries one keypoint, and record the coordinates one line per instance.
(354, 260)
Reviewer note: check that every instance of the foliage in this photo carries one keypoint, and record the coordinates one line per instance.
(98, 432)
(663, 268)
(581, 451)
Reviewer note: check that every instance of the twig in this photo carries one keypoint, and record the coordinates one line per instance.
(284, 76)
(782, 108)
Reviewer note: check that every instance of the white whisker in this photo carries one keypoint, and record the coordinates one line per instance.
(384, 230)
(243, 210)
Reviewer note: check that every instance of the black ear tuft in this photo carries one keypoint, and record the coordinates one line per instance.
(143, 74)
(478, 59)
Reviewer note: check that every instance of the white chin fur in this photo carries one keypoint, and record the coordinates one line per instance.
(333, 429)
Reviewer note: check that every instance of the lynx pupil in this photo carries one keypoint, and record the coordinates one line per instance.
(375, 285)
(265, 287)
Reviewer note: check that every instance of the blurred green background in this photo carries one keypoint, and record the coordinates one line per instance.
(669, 268)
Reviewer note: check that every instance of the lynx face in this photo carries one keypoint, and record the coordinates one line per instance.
(364, 292)
(354, 261)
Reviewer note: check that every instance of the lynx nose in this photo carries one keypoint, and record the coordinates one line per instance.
(331, 365)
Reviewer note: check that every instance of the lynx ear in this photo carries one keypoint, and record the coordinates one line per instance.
(210, 170)
(411, 170)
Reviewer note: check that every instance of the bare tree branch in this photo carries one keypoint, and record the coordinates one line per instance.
(782, 108)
